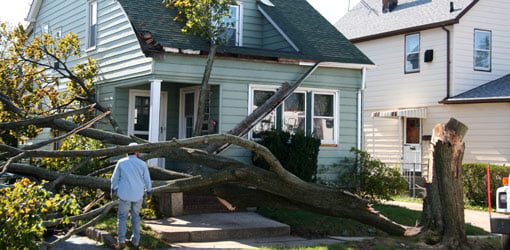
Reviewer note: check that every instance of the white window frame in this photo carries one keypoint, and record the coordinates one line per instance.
(489, 50)
(90, 21)
(45, 28)
(407, 54)
(336, 114)
(131, 114)
(251, 95)
(308, 91)
(57, 33)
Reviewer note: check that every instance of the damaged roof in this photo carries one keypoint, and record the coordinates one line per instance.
(494, 91)
(315, 38)
(367, 21)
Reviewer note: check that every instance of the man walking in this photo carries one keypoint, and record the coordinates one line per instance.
(130, 180)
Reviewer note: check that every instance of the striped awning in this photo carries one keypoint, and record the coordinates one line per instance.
(413, 113)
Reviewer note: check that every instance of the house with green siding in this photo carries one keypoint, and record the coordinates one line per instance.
(150, 71)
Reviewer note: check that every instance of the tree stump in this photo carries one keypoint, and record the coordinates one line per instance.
(443, 207)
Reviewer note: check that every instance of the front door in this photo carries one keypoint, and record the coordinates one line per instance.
(412, 144)
(188, 111)
(138, 114)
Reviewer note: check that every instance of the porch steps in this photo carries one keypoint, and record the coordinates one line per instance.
(217, 227)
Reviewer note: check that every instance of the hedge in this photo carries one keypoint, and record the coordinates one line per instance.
(475, 182)
(297, 153)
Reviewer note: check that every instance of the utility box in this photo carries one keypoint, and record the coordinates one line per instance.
(502, 195)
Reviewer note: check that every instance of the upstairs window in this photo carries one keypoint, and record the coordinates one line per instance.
(92, 23)
(482, 50)
(412, 53)
(233, 33)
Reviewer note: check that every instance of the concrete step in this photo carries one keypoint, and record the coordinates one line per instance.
(217, 227)
(197, 204)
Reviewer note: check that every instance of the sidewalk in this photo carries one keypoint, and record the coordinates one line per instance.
(476, 218)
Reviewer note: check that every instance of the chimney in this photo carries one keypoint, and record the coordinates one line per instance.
(389, 5)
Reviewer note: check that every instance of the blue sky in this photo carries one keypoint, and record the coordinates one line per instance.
(14, 11)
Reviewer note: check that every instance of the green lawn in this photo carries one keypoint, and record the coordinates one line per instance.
(308, 224)
(148, 240)
(404, 198)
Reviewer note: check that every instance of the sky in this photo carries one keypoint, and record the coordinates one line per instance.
(15, 11)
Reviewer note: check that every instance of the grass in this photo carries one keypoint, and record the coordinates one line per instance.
(405, 198)
(308, 224)
(148, 239)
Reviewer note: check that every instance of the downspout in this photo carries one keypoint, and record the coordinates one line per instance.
(359, 143)
(448, 63)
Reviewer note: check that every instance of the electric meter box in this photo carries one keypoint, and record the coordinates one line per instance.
(502, 195)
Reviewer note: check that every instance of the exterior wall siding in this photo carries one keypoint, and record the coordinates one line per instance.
(117, 52)
(252, 24)
(272, 39)
(488, 15)
(234, 78)
(388, 87)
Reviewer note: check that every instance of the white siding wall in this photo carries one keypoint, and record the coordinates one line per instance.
(388, 87)
(488, 137)
(489, 15)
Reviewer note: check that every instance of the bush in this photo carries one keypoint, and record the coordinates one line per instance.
(297, 153)
(23, 208)
(370, 178)
(475, 182)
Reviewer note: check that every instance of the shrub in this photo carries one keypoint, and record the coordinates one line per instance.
(23, 208)
(297, 153)
(370, 178)
(475, 182)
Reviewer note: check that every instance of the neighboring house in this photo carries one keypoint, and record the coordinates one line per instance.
(435, 59)
(150, 71)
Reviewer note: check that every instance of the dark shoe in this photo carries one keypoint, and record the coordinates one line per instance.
(120, 246)
(131, 245)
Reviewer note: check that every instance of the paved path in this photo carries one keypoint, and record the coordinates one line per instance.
(476, 218)
(79, 243)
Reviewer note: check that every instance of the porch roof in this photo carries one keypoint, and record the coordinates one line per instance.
(412, 113)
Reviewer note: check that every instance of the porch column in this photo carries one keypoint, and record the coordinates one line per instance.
(154, 122)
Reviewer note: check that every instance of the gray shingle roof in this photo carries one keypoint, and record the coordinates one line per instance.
(366, 18)
(315, 37)
(497, 89)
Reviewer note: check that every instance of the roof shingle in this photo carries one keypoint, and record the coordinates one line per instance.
(499, 88)
(315, 37)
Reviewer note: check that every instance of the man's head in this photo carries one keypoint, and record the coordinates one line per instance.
(136, 153)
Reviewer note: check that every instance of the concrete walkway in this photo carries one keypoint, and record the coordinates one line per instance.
(476, 218)
(79, 243)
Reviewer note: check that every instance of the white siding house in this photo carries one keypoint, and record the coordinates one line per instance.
(401, 106)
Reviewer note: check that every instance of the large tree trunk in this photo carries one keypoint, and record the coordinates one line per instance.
(204, 90)
(443, 208)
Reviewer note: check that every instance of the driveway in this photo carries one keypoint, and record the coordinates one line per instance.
(480, 219)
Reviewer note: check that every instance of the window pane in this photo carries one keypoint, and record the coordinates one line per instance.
(413, 130)
(230, 34)
(324, 128)
(482, 40)
(413, 43)
(268, 122)
(294, 114)
(323, 105)
(482, 59)
(142, 108)
(413, 62)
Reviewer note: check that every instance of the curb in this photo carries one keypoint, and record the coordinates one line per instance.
(101, 236)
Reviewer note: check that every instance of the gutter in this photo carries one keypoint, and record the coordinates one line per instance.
(448, 63)
(361, 91)
(476, 100)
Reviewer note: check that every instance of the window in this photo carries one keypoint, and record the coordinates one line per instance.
(45, 28)
(260, 96)
(412, 57)
(294, 113)
(324, 117)
(92, 22)
(57, 33)
(413, 130)
(234, 30)
(304, 111)
(482, 50)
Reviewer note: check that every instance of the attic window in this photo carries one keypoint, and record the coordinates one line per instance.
(234, 33)
(92, 24)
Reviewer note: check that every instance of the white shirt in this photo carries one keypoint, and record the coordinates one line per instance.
(131, 178)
